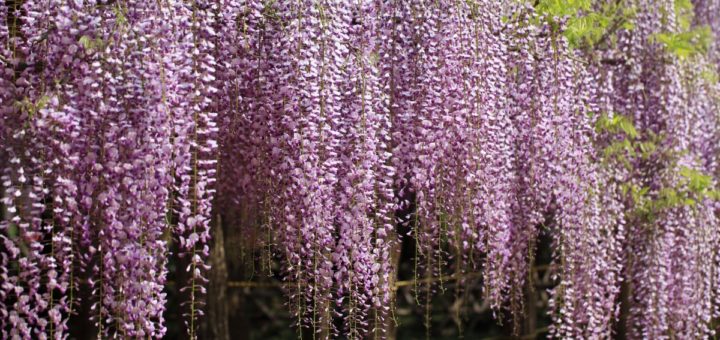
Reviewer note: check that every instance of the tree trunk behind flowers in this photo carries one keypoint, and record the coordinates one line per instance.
(217, 323)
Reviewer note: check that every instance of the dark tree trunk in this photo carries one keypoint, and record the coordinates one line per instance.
(216, 324)
(530, 322)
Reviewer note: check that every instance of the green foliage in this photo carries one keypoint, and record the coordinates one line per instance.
(626, 145)
(90, 44)
(618, 123)
(693, 187)
(648, 205)
(683, 13)
(698, 182)
(688, 43)
(710, 75)
(588, 22)
(647, 148)
(714, 195)
(618, 147)
(586, 25)
(120, 18)
(32, 108)
(561, 8)
(666, 198)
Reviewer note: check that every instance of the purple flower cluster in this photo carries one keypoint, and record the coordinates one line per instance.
(446, 70)
(492, 139)
(95, 129)
(670, 260)
(306, 133)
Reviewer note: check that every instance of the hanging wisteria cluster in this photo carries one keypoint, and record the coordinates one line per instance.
(107, 131)
(318, 127)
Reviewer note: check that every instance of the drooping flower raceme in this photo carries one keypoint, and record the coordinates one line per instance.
(89, 130)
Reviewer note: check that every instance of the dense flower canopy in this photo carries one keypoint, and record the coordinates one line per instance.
(128, 127)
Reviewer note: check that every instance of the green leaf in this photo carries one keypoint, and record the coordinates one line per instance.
(86, 42)
(683, 13)
(698, 182)
(624, 188)
(714, 195)
(710, 76)
(616, 124)
(686, 44)
(120, 18)
(668, 198)
(585, 25)
(647, 149)
(33, 108)
(627, 126)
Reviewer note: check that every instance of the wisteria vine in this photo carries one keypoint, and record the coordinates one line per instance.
(318, 127)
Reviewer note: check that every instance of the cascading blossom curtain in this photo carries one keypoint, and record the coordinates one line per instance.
(107, 130)
(317, 127)
(674, 255)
